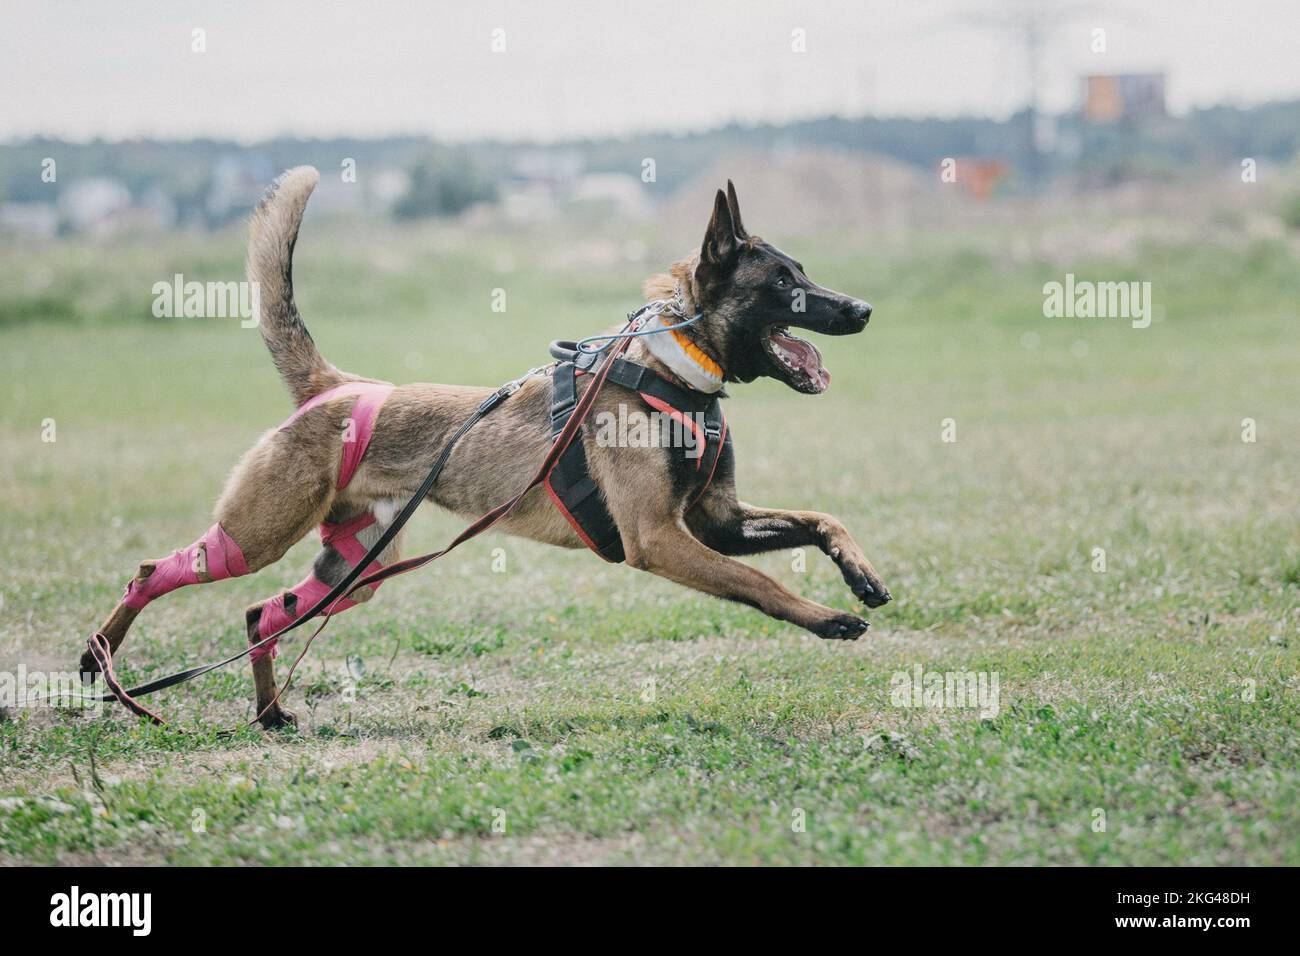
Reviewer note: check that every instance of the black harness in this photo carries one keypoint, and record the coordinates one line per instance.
(570, 483)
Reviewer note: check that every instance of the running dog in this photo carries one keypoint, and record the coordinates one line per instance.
(357, 448)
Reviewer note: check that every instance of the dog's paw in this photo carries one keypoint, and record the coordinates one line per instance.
(861, 579)
(89, 667)
(841, 627)
(866, 587)
(872, 593)
(277, 718)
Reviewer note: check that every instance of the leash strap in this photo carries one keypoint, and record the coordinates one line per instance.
(99, 646)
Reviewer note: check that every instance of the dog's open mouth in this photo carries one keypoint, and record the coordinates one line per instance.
(797, 361)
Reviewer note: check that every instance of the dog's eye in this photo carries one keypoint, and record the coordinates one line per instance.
(782, 282)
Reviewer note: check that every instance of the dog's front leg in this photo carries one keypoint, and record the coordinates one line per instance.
(738, 528)
(668, 550)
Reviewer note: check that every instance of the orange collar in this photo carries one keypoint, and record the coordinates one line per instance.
(685, 359)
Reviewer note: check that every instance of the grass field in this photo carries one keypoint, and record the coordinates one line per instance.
(1148, 714)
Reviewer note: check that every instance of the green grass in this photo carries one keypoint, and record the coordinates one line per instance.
(600, 715)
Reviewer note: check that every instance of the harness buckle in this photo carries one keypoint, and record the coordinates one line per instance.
(508, 389)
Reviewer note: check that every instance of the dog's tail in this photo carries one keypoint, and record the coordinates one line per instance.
(273, 231)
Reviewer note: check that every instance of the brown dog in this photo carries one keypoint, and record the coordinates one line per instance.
(749, 294)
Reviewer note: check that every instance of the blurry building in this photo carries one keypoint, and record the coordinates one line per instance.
(539, 181)
(612, 195)
(979, 176)
(92, 204)
(1123, 97)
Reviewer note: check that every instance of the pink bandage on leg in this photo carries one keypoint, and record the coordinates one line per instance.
(214, 557)
(275, 616)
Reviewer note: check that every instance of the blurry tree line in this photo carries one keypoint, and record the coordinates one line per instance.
(444, 180)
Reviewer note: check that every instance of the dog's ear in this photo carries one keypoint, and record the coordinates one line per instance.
(720, 241)
(734, 205)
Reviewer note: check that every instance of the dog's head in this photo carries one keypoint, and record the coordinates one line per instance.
(751, 294)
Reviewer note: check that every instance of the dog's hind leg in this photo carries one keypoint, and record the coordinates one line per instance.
(278, 491)
(345, 538)
(214, 557)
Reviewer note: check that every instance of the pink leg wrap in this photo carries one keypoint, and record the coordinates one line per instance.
(214, 557)
(341, 537)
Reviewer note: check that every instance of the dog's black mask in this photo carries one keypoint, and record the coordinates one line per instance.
(752, 294)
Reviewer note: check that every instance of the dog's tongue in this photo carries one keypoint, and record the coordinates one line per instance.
(804, 356)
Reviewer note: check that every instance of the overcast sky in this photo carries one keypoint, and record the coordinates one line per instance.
(126, 68)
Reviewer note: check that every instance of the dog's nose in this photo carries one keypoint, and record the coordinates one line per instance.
(859, 313)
